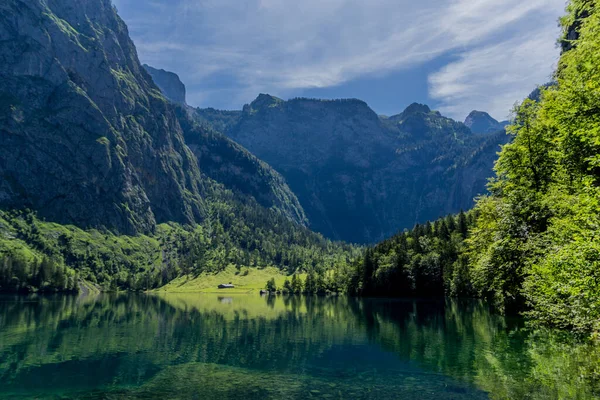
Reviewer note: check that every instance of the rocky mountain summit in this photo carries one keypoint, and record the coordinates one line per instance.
(87, 138)
(361, 177)
(168, 83)
(481, 122)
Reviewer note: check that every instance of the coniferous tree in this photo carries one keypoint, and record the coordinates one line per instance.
(442, 232)
(428, 229)
(287, 286)
(450, 223)
(369, 268)
(462, 225)
(297, 284)
(310, 284)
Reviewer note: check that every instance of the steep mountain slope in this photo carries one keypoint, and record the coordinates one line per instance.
(87, 138)
(228, 163)
(361, 177)
(482, 122)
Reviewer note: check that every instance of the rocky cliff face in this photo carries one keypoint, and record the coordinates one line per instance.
(168, 83)
(360, 177)
(481, 123)
(85, 135)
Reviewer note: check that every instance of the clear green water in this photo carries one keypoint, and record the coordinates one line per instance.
(251, 347)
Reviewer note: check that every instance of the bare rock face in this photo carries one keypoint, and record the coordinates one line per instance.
(358, 176)
(86, 137)
(168, 83)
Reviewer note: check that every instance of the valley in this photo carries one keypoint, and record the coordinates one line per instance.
(116, 193)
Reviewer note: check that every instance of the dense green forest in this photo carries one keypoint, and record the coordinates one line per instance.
(536, 239)
(533, 244)
(427, 261)
(36, 255)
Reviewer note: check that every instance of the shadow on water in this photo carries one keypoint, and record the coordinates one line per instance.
(248, 346)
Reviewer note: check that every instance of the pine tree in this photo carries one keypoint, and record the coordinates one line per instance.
(428, 229)
(309, 285)
(443, 233)
(296, 284)
(462, 227)
(450, 223)
(287, 286)
(369, 267)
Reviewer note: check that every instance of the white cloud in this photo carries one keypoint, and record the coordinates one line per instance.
(282, 46)
(495, 76)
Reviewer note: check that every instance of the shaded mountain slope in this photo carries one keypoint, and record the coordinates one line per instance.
(482, 122)
(227, 162)
(168, 83)
(361, 177)
(86, 137)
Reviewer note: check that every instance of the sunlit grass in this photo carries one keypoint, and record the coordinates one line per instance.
(245, 280)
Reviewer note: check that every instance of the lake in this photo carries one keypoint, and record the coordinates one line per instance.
(202, 346)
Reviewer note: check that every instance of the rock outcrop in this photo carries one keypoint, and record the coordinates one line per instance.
(168, 83)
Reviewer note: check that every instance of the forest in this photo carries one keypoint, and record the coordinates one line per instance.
(42, 256)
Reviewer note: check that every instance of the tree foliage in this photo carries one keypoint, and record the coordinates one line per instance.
(536, 241)
(534, 244)
(425, 261)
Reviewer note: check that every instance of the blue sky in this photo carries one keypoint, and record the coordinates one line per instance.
(455, 55)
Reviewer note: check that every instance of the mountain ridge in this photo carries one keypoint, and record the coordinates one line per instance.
(168, 83)
(350, 168)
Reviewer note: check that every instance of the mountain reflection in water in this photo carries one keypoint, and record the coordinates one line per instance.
(248, 346)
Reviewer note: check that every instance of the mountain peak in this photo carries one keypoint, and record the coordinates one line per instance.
(417, 108)
(265, 100)
(481, 122)
(169, 84)
(480, 114)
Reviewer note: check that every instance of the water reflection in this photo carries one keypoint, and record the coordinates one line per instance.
(205, 346)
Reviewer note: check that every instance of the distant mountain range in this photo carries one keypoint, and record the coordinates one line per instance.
(361, 177)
